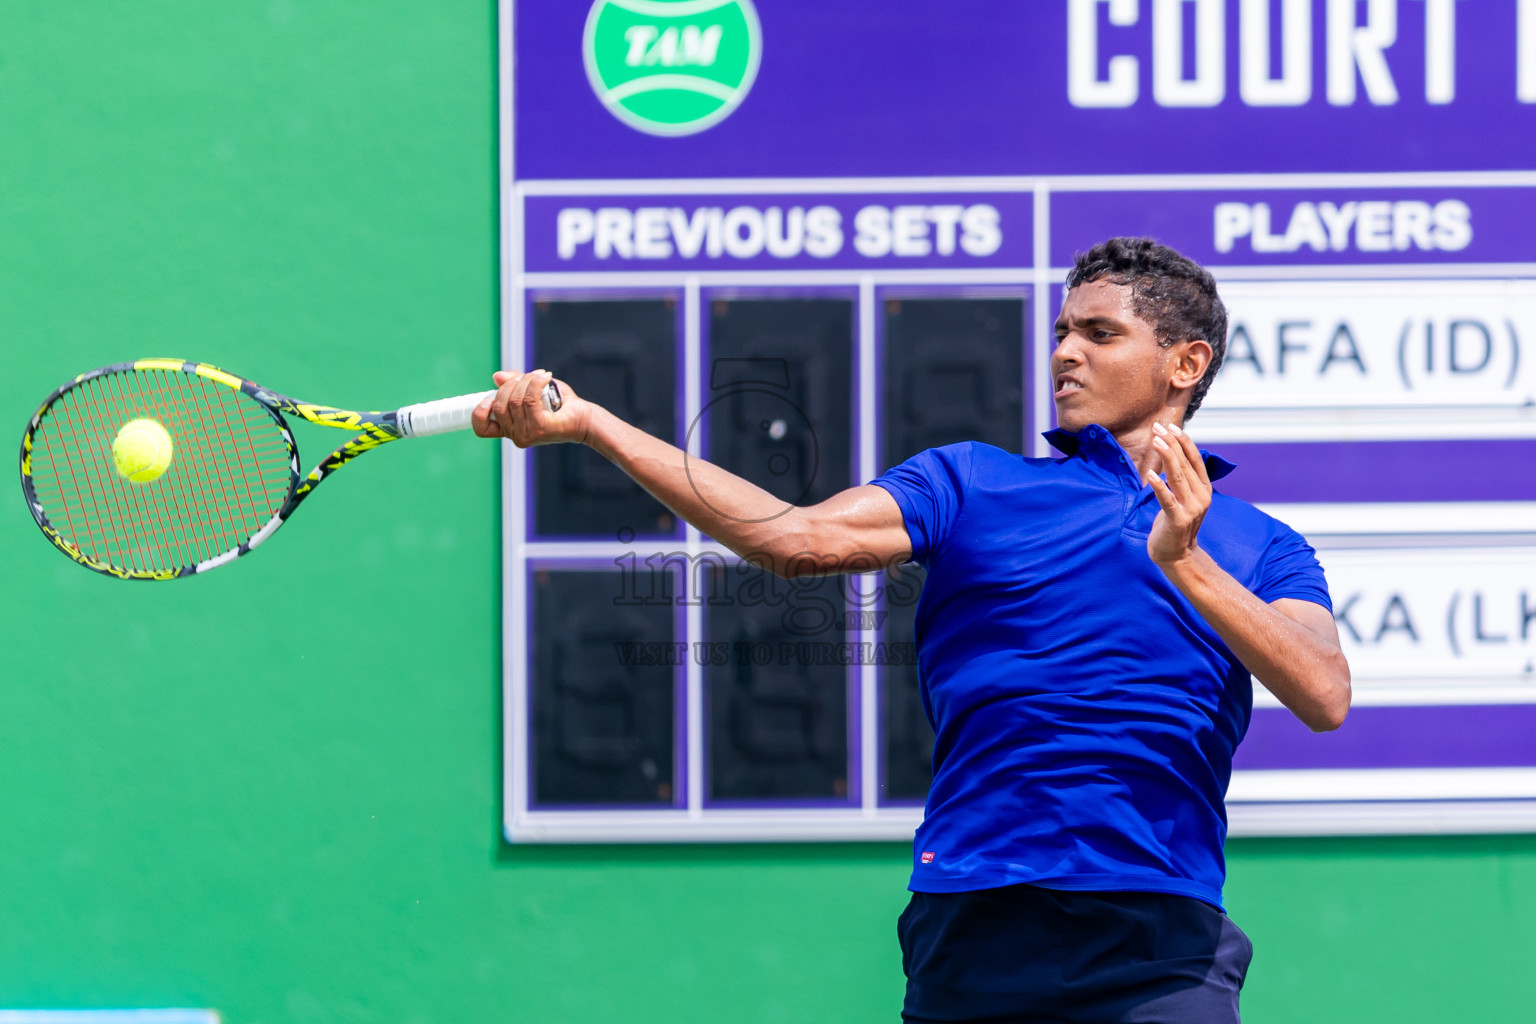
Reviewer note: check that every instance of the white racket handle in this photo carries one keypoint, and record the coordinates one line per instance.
(449, 414)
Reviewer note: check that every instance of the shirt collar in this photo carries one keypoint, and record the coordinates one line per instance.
(1096, 439)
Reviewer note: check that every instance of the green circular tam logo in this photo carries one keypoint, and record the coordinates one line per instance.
(672, 67)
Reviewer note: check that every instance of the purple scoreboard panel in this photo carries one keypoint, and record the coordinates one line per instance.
(805, 240)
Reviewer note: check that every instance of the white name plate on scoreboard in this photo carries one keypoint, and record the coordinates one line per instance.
(1436, 624)
(1372, 360)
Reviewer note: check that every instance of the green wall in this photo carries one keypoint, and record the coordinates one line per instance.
(282, 801)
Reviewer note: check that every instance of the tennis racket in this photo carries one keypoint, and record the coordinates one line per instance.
(232, 477)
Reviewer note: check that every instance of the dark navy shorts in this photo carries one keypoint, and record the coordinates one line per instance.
(1028, 955)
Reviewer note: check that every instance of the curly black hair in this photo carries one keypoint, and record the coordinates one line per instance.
(1171, 292)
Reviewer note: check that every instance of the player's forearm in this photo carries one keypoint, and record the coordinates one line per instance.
(737, 513)
(1305, 670)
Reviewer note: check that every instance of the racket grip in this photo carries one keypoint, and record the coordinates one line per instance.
(449, 414)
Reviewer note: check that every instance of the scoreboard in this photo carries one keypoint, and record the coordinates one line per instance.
(805, 241)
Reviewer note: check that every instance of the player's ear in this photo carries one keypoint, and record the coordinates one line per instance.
(1191, 358)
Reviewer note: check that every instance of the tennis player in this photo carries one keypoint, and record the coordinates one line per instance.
(1087, 636)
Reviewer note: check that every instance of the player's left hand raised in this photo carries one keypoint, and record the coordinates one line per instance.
(1185, 496)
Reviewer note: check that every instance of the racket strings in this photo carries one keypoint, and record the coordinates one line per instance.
(91, 522)
(229, 474)
(143, 499)
(106, 520)
(195, 491)
(103, 518)
(105, 493)
(225, 506)
(191, 515)
(210, 497)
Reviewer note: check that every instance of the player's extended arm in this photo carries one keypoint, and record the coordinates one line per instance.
(1290, 646)
(857, 530)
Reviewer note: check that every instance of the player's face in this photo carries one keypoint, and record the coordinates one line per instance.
(1107, 367)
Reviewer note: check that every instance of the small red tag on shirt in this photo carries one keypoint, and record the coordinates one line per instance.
(927, 857)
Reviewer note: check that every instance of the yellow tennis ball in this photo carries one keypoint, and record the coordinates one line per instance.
(142, 450)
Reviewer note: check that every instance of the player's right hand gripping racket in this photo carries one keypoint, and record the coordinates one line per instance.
(212, 473)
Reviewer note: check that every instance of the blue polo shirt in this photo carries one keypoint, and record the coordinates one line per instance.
(1085, 713)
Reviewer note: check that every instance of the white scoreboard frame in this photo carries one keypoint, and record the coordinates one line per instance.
(1260, 803)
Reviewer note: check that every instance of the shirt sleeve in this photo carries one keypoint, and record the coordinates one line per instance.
(1291, 570)
(930, 488)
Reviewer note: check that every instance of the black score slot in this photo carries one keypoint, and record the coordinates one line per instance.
(778, 401)
(777, 701)
(953, 371)
(603, 692)
(621, 354)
